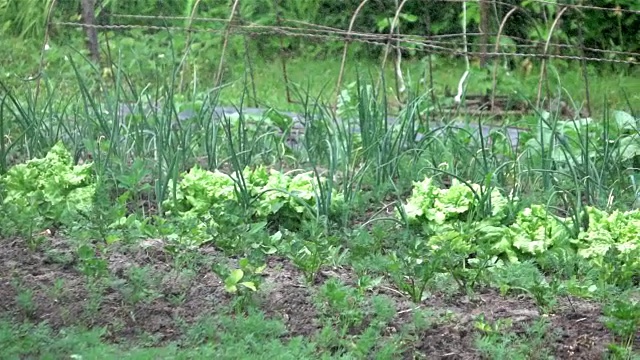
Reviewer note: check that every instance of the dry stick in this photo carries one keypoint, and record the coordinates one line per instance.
(45, 43)
(495, 61)
(344, 52)
(392, 27)
(497, 44)
(588, 100)
(543, 69)
(283, 59)
(400, 83)
(187, 44)
(224, 44)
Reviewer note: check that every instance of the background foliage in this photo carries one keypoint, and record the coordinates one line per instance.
(27, 18)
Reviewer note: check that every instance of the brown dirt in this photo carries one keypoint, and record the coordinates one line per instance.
(581, 334)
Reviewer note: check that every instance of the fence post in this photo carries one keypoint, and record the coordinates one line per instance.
(89, 19)
(430, 63)
(583, 62)
(484, 30)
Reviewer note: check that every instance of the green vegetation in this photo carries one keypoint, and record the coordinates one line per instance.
(138, 220)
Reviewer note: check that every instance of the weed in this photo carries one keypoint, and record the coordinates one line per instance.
(95, 298)
(58, 291)
(310, 250)
(26, 303)
(496, 342)
(413, 267)
(138, 286)
(90, 263)
(622, 317)
(343, 303)
(242, 281)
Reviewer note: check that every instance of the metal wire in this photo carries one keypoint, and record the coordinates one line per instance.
(398, 41)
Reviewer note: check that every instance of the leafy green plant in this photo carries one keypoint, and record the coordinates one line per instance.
(310, 249)
(138, 286)
(497, 342)
(535, 230)
(234, 280)
(47, 192)
(274, 195)
(465, 245)
(623, 319)
(90, 263)
(431, 206)
(611, 244)
(341, 302)
(242, 281)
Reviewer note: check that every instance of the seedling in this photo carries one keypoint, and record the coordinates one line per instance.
(239, 280)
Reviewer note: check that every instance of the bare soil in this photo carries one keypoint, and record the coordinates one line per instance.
(581, 334)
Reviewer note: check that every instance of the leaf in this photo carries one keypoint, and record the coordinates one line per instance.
(260, 269)
(277, 236)
(244, 263)
(409, 17)
(85, 252)
(382, 24)
(283, 122)
(629, 147)
(624, 120)
(249, 285)
(234, 277)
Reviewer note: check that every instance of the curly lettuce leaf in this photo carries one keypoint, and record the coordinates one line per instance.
(456, 200)
(535, 230)
(201, 190)
(421, 202)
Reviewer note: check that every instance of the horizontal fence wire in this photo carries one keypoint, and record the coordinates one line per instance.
(464, 44)
(394, 41)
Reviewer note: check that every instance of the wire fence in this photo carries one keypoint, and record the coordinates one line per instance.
(488, 46)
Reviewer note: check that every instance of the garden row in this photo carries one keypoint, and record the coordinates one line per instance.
(466, 227)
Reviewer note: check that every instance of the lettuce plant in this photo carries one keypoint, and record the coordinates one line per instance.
(210, 194)
(448, 222)
(49, 190)
(535, 231)
(201, 192)
(612, 233)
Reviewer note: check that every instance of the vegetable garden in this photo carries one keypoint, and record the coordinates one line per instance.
(148, 214)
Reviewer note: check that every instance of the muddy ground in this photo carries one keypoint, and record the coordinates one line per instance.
(581, 334)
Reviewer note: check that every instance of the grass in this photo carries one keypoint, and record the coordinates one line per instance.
(146, 236)
(318, 74)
